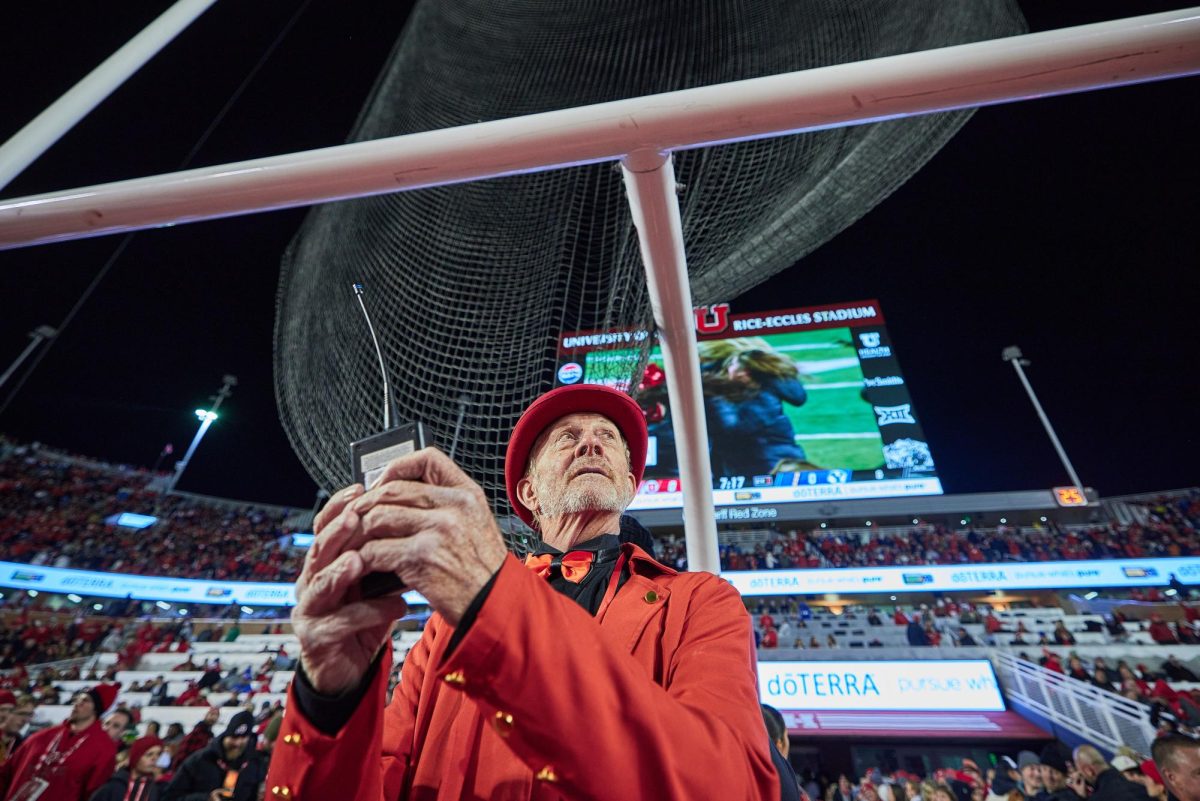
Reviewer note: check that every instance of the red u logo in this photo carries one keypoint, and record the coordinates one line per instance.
(712, 319)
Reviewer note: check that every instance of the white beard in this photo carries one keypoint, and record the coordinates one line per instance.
(580, 496)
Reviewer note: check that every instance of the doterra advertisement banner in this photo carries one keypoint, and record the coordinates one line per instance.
(967, 685)
(941, 578)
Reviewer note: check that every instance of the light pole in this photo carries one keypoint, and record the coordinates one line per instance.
(207, 416)
(38, 335)
(1013, 354)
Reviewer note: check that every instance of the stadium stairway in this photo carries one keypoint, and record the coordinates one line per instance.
(1073, 711)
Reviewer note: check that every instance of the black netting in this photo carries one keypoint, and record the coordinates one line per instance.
(471, 285)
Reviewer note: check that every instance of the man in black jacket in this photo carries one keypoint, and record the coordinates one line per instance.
(1059, 781)
(229, 768)
(1175, 670)
(1107, 783)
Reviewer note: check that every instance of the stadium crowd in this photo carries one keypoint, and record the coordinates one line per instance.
(53, 510)
(1170, 530)
(1057, 773)
(126, 757)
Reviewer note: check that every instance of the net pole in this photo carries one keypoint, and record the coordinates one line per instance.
(650, 184)
(1106, 54)
(27, 144)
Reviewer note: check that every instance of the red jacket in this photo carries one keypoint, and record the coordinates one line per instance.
(654, 698)
(91, 759)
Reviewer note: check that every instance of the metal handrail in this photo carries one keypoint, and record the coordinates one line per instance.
(1103, 718)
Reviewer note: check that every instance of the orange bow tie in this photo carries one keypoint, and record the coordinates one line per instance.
(573, 565)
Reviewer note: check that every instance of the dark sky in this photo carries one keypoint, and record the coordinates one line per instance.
(1067, 226)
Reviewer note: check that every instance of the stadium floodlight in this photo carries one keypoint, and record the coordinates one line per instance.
(207, 417)
(163, 605)
(247, 610)
(1092, 595)
(183, 612)
(38, 335)
(97, 607)
(73, 598)
(32, 593)
(1013, 354)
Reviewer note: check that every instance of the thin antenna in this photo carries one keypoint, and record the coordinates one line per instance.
(463, 400)
(389, 402)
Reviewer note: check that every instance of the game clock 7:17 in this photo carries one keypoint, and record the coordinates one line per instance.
(731, 482)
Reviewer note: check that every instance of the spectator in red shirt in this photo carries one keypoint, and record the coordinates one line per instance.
(770, 638)
(197, 739)
(1160, 631)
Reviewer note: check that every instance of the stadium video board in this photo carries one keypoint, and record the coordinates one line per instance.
(802, 405)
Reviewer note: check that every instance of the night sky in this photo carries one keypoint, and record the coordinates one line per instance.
(1067, 226)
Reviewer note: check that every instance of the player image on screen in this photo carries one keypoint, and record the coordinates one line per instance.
(746, 386)
(804, 404)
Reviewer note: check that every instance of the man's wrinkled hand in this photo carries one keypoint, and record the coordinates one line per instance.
(428, 522)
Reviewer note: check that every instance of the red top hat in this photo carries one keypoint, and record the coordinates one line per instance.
(618, 407)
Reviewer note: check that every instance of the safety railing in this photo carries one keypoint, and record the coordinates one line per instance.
(1103, 718)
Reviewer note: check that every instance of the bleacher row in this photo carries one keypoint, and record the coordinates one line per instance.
(853, 631)
(248, 651)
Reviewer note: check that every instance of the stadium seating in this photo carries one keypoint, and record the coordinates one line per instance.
(53, 509)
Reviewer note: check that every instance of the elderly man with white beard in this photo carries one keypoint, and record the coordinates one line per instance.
(591, 671)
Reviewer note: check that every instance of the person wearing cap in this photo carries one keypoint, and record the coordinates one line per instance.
(1029, 766)
(1123, 764)
(138, 781)
(1060, 781)
(590, 672)
(67, 762)
(1107, 784)
(1149, 777)
(228, 769)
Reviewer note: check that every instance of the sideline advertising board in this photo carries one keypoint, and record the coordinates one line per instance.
(152, 588)
(942, 578)
(917, 685)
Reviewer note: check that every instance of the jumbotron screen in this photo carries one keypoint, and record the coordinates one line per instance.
(802, 405)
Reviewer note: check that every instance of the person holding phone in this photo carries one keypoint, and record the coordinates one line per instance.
(591, 671)
(228, 769)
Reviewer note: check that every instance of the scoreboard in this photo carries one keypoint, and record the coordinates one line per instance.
(801, 405)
